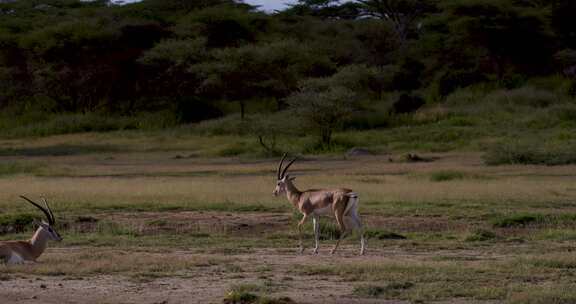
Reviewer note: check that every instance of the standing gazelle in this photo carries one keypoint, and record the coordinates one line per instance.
(341, 203)
(17, 252)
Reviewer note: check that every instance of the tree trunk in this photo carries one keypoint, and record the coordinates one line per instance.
(326, 137)
(242, 109)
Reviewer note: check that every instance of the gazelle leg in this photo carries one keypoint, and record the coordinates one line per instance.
(358, 226)
(316, 223)
(341, 225)
(302, 221)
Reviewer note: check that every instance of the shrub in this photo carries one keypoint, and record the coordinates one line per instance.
(323, 110)
(525, 96)
(533, 153)
(407, 104)
(15, 223)
(240, 297)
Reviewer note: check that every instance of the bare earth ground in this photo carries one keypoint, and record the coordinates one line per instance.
(435, 229)
(209, 285)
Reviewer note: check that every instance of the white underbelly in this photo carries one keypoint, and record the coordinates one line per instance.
(15, 259)
(326, 211)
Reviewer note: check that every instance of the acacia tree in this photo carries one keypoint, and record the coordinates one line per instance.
(326, 9)
(257, 71)
(474, 41)
(323, 110)
(402, 14)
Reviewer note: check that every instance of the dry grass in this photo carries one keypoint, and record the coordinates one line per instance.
(83, 263)
(151, 204)
(80, 182)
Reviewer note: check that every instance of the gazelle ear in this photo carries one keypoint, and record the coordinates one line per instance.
(291, 178)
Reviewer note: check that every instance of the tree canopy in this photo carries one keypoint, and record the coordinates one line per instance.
(96, 56)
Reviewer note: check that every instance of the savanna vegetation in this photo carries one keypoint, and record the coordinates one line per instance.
(444, 74)
(153, 128)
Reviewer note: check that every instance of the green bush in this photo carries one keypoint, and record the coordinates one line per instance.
(533, 153)
(15, 223)
(524, 96)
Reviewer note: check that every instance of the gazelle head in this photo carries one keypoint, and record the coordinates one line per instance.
(283, 178)
(47, 226)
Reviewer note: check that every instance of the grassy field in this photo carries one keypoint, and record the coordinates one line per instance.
(165, 219)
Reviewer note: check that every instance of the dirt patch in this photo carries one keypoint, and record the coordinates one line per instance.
(194, 222)
(210, 284)
(251, 223)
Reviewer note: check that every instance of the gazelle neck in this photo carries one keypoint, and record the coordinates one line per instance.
(292, 193)
(39, 241)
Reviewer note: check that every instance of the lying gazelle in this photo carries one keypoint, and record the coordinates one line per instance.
(17, 252)
(341, 203)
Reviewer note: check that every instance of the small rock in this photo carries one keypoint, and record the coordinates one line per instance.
(43, 286)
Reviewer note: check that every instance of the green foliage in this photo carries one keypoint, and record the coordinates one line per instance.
(530, 152)
(81, 122)
(525, 96)
(15, 223)
(71, 66)
(238, 297)
(322, 107)
(176, 52)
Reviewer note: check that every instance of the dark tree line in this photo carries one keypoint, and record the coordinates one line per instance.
(182, 55)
